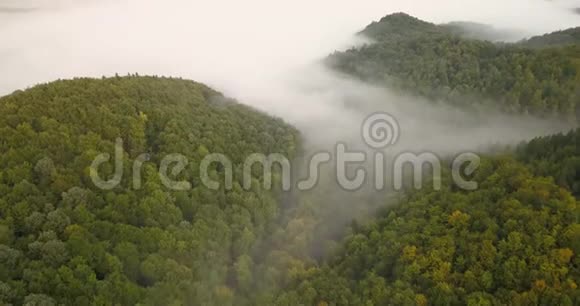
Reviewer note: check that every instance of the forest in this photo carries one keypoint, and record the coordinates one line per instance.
(440, 63)
(65, 242)
(560, 38)
(513, 241)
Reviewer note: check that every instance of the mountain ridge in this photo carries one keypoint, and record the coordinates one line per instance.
(434, 62)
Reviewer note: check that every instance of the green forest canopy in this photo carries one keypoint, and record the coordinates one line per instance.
(514, 241)
(557, 156)
(558, 38)
(64, 241)
(436, 62)
(67, 242)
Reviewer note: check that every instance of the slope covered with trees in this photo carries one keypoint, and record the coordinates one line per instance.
(513, 241)
(423, 58)
(63, 241)
(473, 30)
(557, 156)
(559, 38)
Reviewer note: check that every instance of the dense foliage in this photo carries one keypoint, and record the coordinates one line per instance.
(430, 60)
(63, 241)
(513, 241)
(559, 38)
(557, 156)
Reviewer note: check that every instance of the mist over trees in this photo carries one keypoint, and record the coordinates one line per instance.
(421, 57)
(501, 244)
(566, 37)
(514, 240)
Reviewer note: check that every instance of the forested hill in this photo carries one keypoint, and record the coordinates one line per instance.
(513, 241)
(63, 241)
(557, 156)
(435, 62)
(559, 38)
(479, 31)
(399, 26)
(403, 26)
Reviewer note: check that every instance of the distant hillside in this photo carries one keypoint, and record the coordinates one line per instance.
(399, 26)
(479, 31)
(555, 39)
(512, 241)
(436, 62)
(404, 26)
(63, 241)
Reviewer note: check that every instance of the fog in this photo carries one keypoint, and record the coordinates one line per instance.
(265, 54)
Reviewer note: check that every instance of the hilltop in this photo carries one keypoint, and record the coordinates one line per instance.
(556, 39)
(64, 241)
(436, 62)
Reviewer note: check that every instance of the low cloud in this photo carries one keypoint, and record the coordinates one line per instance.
(265, 54)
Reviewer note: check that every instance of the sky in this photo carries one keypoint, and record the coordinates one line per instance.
(263, 53)
(208, 40)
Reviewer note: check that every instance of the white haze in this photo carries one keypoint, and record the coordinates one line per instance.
(264, 53)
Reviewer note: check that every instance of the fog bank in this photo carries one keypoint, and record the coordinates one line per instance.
(262, 53)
